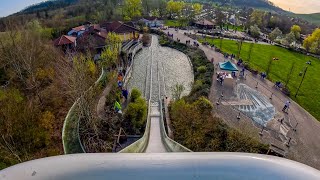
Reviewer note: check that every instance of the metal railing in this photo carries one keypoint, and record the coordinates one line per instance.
(71, 136)
(141, 145)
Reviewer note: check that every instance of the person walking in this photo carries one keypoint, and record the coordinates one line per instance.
(125, 93)
(286, 107)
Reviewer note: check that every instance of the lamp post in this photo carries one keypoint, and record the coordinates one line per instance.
(304, 74)
(239, 47)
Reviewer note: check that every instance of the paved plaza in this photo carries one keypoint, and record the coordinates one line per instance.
(303, 143)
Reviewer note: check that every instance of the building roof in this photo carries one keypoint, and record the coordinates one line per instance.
(228, 66)
(118, 27)
(111, 26)
(151, 18)
(90, 40)
(204, 22)
(130, 23)
(64, 40)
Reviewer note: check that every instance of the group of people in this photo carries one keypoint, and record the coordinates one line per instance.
(263, 75)
(221, 76)
(170, 35)
(231, 56)
(124, 92)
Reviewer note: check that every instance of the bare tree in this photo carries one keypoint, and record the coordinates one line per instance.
(289, 75)
(177, 91)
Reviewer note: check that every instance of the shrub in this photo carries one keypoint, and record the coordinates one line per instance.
(135, 94)
(202, 69)
(137, 114)
(196, 128)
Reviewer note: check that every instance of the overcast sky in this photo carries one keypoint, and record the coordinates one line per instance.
(299, 6)
(8, 7)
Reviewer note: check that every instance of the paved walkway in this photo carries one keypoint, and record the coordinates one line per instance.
(102, 100)
(238, 34)
(305, 145)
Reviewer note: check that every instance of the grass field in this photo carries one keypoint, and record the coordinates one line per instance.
(309, 94)
(239, 28)
(173, 23)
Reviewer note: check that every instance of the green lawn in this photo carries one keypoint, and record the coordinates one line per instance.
(309, 95)
(239, 28)
(174, 23)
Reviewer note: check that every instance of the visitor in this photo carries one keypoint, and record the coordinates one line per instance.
(125, 94)
(221, 78)
(242, 72)
(286, 107)
(117, 107)
(120, 77)
(212, 60)
(309, 63)
(120, 84)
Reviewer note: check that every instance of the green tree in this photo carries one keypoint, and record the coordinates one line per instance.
(135, 94)
(220, 17)
(255, 31)
(175, 8)
(137, 111)
(197, 8)
(256, 18)
(132, 9)
(289, 39)
(276, 33)
(296, 31)
(110, 54)
(312, 42)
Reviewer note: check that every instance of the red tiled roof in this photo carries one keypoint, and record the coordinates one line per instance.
(123, 28)
(111, 26)
(118, 27)
(63, 40)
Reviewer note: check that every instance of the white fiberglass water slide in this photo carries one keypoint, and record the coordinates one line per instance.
(133, 166)
(155, 138)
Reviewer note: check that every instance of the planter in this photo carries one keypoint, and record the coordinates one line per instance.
(255, 72)
(285, 91)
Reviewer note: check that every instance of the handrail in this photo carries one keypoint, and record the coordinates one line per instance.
(128, 71)
(171, 145)
(68, 120)
(141, 145)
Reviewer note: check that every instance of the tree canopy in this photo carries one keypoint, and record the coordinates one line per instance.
(132, 9)
(175, 7)
(312, 42)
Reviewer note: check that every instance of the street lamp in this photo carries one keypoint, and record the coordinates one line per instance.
(304, 74)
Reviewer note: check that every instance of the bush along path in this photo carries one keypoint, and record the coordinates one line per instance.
(193, 123)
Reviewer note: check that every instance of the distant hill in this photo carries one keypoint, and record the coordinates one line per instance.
(47, 5)
(260, 4)
(313, 18)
